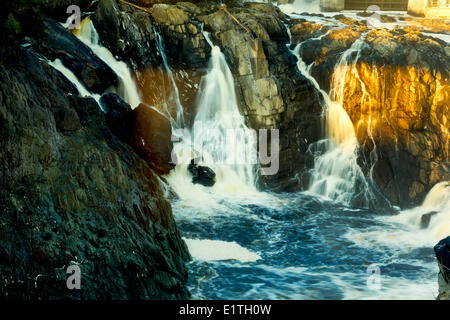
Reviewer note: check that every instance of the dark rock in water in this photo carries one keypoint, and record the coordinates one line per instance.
(426, 218)
(59, 43)
(58, 8)
(201, 174)
(442, 251)
(81, 197)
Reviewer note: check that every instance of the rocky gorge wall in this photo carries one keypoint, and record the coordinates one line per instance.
(72, 193)
(411, 131)
(397, 96)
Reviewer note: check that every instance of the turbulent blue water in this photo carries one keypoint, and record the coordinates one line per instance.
(310, 248)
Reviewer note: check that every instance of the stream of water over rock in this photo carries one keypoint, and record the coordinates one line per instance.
(250, 244)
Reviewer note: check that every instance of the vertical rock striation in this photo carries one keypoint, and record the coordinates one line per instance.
(72, 193)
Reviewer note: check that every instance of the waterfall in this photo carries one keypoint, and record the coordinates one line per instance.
(437, 206)
(336, 174)
(127, 89)
(299, 6)
(174, 95)
(220, 137)
(58, 65)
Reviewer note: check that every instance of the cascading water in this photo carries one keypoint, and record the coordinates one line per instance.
(127, 87)
(253, 245)
(173, 95)
(336, 174)
(270, 242)
(219, 137)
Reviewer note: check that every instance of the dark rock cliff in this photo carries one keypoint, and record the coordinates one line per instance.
(397, 96)
(73, 193)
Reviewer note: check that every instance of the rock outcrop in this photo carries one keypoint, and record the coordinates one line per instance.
(71, 193)
(58, 43)
(396, 94)
(127, 32)
(272, 94)
(442, 251)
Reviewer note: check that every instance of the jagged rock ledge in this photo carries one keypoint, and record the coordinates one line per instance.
(72, 193)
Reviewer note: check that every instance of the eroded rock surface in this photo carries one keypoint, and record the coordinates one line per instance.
(72, 193)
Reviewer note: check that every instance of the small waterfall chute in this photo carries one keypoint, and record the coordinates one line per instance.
(435, 209)
(174, 95)
(127, 89)
(58, 65)
(211, 140)
(336, 174)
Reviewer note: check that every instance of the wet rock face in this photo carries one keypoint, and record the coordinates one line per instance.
(127, 32)
(397, 97)
(442, 251)
(183, 38)
(201, 174)
(405, 106)
(272, 94)
(72, 193)
(58, 43)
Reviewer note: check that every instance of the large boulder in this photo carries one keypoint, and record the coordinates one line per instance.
(117, 116)
(152, 138)
(145, 129)
(127, 32)
(59, 43)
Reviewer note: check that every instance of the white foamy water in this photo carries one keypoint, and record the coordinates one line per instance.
(217, 114)
(127, 88)
(437, 203)
(405, 231)
(216, 250)
(58, 65)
